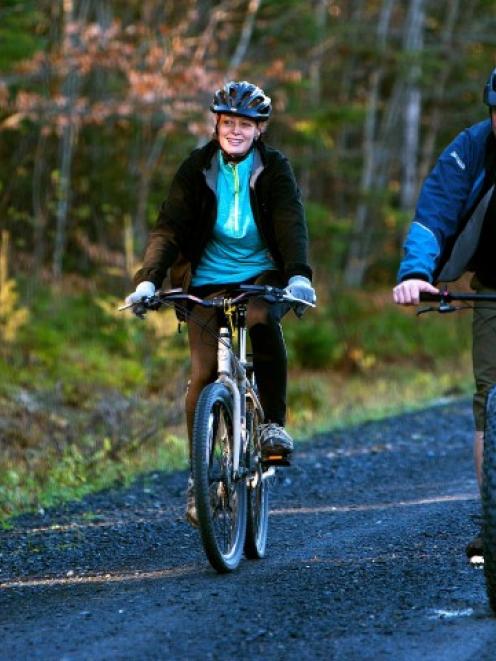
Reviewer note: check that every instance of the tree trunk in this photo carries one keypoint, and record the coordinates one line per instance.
(245, 37)
(353, 17)
(68, 140)
(146, 172)
(39, 207)
(413, 43)
(447, 59)
(314, 97)
(40, 183)
(358, 255)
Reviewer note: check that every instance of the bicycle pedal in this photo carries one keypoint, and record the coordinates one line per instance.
(276, 460)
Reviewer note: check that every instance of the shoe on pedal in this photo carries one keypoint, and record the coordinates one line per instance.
(276, 443)
(474, 551)
(191, 513)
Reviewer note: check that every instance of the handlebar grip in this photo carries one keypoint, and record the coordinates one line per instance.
(428, 296)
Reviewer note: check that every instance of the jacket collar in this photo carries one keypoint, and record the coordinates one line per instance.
(211, 165)
(257, 166)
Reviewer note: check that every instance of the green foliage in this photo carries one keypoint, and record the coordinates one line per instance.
(51, 477)
(314, 343)
(12, 317)
(322, 401)
(308, 399)
(359, 332)
(21, 30)
(321, 225)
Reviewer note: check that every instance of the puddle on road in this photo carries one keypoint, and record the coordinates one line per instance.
(443, 614)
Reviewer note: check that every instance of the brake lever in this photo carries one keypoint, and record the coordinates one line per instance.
(139, 309)
(420, 311)
(447, 307)
(152, 302)
(442, 308)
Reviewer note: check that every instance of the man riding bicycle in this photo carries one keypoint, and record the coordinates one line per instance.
(234, 215)
(454, 230)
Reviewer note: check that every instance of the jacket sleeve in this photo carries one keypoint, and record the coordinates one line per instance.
(288, 216)
(443, 199)
(164, 241)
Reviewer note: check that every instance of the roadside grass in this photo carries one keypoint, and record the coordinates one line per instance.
(45, 473)
(90, 397)
(55, 477)
(320, 402)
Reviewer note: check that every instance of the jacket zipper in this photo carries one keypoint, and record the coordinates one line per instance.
(236, 197)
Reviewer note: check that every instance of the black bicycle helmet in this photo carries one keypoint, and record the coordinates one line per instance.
(243, 99)
(490, 90)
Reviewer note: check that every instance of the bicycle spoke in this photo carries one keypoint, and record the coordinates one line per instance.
(222, 514)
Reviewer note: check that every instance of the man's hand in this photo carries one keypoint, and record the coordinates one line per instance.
(408, 291)
(143, 290)
(301, 287)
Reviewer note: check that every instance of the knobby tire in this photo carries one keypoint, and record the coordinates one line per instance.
(257, 520)
(489, 499)
(220, 500)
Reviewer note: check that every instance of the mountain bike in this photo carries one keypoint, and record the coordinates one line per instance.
(231, 478)
(446, 300)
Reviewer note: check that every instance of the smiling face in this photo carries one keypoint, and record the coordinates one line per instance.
(236, 134)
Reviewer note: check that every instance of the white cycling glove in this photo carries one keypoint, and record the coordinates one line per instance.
(301, 287)
(143, 290)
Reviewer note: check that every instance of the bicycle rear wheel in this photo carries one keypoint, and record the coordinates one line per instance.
(488, 493)
(220, 498)
(257, 520)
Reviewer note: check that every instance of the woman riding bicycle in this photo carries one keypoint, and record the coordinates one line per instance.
(234, 215)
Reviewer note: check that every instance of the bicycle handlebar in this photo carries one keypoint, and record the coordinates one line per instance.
(449, 296)
(267, 292)
(445, 299)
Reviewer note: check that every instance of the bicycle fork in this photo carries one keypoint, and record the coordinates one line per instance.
(233, 375)
(226, 370)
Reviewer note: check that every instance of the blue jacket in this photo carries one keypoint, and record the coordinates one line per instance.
(446, 202)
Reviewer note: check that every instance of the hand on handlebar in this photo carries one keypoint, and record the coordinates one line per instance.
(408, 291)
(301, 288)
(145, 289)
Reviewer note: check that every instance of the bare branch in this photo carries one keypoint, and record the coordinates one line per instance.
(245, 38)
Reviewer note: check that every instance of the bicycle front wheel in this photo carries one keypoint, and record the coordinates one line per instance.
(488, 494)
(220, 496)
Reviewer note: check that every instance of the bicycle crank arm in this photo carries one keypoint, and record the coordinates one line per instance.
(270, 472)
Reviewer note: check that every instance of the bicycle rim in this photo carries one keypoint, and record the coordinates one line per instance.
(488, 494)
(257, 520)
(220, 499)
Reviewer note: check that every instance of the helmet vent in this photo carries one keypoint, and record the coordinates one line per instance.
(243, 99)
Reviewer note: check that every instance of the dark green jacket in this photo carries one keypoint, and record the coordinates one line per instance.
(187, 217)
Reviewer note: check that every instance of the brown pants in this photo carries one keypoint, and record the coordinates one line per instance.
(483, 352)
(269, 351)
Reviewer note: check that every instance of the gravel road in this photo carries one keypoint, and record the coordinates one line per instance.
(365, 561)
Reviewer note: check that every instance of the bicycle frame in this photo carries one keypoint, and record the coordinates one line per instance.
(233, 374)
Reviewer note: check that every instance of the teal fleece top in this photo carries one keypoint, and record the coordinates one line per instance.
(236, 251)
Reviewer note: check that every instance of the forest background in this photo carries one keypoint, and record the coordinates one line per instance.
(100, 100)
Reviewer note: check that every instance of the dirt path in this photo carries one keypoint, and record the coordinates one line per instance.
(365, 561)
